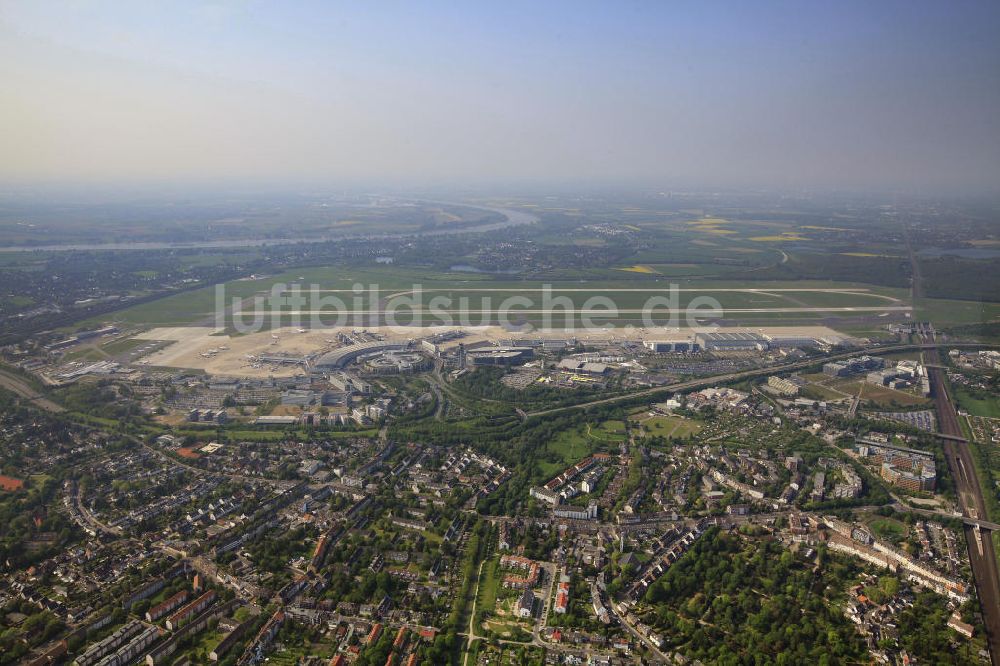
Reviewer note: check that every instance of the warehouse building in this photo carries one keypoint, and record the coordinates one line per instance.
(853, 366)
(498, 356)
(783, 386)
(349, 384)
(790, 341)
(580, 366)
(671, 346)
(732, 342)
(546, 344)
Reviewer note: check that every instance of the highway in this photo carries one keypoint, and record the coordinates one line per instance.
(982, 556)
(18, 385)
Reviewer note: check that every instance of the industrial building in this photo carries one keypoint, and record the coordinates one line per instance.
(299, 397)
(881, 377)
(783, 386)
(283, 359)
(744, 339)
(853, 366)
(498, 356)
(349, 384)
(432, 344)
(791, 340)
(80, 337)
(584, 367)
(671, 346)
(546, 344)
(732, 342)
(898, 377)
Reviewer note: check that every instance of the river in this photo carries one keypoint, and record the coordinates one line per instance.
(514, 218)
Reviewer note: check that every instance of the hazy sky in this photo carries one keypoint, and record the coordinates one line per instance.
(870, 95)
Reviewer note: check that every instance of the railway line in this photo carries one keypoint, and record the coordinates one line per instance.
(982, 556)
(19, 386)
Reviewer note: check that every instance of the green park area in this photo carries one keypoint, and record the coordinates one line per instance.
(977, 403)
(888, 528)
(670, 427)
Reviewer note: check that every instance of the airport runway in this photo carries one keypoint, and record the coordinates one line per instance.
(596, 311)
